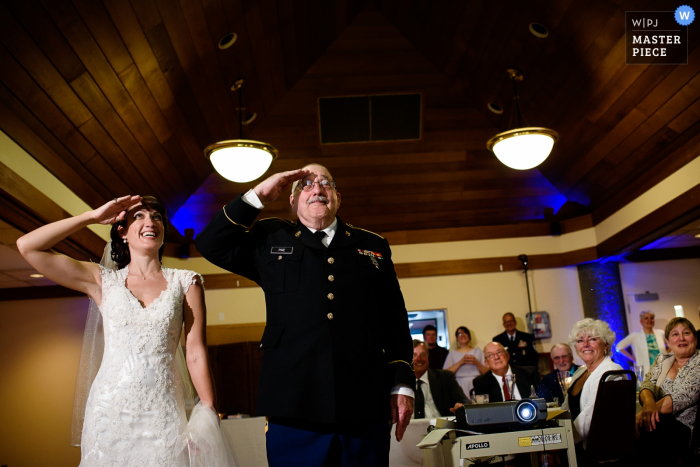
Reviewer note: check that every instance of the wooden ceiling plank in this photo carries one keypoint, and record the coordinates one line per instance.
(57, 123)
(139, 48)
(273, 43)
(32, 59)
(209, 55)
(290, 58)
(47, 36)
(106, 35)
(263, 66)
(560, 53)
(93, 131)
(111, 103)
(642, 99)
(103, 31)
(687, 118)
(600, 33)
(666, 113)
(129, 147)
(464, 34)
(643, 156)
(142, 97)
(45, 148)
(612, 79)
(235, 18)
(176, 27)
(302, 40)
(175, 78)
(320, 20)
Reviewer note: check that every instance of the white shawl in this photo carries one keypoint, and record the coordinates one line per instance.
(582, 423)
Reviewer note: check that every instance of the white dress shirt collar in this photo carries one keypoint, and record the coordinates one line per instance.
(330, 232)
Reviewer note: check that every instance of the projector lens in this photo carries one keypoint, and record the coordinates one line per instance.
(526, 411)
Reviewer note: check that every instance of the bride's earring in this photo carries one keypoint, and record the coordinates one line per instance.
(125, 241)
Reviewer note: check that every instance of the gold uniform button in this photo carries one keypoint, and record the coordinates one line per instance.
(331, 296)
(331, 260)
(331, 278)
(330, 315)
(347, 233)
(298, 234)
(279, 257)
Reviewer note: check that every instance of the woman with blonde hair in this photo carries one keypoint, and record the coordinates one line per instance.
(593, 340)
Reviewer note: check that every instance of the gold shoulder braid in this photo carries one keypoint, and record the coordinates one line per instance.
(232, 221)
(368, 231)
(402, 361)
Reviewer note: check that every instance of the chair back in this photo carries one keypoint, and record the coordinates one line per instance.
(611, 435)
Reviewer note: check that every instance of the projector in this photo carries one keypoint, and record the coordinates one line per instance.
(502, 416)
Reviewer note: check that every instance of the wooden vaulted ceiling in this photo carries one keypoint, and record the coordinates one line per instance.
(117, 96)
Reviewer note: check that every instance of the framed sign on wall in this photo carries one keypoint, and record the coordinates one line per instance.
(538, 324)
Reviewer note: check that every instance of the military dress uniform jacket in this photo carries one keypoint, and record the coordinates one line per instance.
(336, 338)
(522, 351)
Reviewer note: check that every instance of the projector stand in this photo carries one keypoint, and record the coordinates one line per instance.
(439, 452)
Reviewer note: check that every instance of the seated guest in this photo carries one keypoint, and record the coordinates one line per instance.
(593, 341)
(563, 359)
(520, 345)
(493, 382)
(466, 362)
(646, 345)
(669, 397)
(437, 353)
(437, 391)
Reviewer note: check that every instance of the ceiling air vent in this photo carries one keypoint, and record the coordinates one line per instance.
(646, 297)
(360, 119)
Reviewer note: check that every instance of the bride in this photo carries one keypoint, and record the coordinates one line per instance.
(135, 411)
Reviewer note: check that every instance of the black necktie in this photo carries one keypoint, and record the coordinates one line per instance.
(419, 406)
(320, 234)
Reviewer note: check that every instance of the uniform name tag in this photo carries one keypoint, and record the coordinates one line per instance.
(282, 250)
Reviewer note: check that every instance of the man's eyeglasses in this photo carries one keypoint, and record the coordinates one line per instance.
(490, 356)
(422, 355)
(308, 184)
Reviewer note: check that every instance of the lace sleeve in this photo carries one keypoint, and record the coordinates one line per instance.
(187, 278)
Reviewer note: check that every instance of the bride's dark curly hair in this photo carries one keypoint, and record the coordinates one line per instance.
(120, 250)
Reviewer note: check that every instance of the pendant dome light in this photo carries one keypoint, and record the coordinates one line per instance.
(523, 147)
(240, 160)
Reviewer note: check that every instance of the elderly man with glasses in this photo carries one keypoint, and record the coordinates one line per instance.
(550, 386)
(494, 381)
(336, 370)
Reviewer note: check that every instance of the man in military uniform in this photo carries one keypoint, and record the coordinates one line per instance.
(520, 345)
(336, 367)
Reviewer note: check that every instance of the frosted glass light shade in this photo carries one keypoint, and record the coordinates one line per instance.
(523, 148)
(241, 160)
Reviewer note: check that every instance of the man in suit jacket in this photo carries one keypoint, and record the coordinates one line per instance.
(437, 354)
(493, 381)
(323, 280)
(520, 345)
(438, 394)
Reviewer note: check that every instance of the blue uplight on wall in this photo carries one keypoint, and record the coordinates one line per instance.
(601, 293)
(195, 214)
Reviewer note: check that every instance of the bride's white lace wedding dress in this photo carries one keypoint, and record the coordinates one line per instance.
(135, 413)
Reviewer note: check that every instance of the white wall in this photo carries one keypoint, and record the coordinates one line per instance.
(676, 282)
(477, 301)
